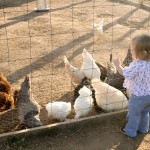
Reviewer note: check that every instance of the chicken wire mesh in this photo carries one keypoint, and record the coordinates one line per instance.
(35, 43)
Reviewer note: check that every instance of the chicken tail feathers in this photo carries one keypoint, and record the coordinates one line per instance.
(67, 63)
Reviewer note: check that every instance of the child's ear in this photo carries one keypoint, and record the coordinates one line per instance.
(145, 53)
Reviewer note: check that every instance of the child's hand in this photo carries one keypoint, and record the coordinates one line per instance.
(117, 62)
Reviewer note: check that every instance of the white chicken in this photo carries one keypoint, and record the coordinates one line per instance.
(84, 103)
(109, 98)
(59, 110)
(75, 75)
(100, 25)
(89, 67)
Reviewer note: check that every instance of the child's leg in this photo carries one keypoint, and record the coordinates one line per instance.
(144, 121)
(133, 117)
(133, 121)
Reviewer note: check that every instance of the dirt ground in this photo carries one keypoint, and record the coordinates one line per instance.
(84, 141)
(34, 43)
(98, 134)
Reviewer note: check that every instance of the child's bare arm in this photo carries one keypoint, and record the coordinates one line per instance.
(117, 63)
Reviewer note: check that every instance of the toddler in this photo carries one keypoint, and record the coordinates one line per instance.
(137, 81)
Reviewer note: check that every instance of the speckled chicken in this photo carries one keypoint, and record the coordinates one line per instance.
(113, 77)
(128, 59)
(75, 75)
(103, 71)
(28, 108)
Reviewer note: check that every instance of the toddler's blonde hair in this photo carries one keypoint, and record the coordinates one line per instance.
(142, 46)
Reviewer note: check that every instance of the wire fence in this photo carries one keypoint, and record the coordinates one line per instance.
(35, 43)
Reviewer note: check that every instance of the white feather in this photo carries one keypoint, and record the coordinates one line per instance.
(58, 110)
(83, 104)
(89, 67)
(74, 74)
(109, 98)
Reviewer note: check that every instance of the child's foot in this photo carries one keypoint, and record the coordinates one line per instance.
(141, 132)
(123, 131)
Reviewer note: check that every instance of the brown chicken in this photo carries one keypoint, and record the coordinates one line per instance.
(6, 101)
(4, 84)
(6, 95)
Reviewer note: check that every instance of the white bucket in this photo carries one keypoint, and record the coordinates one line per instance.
(42, 5)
